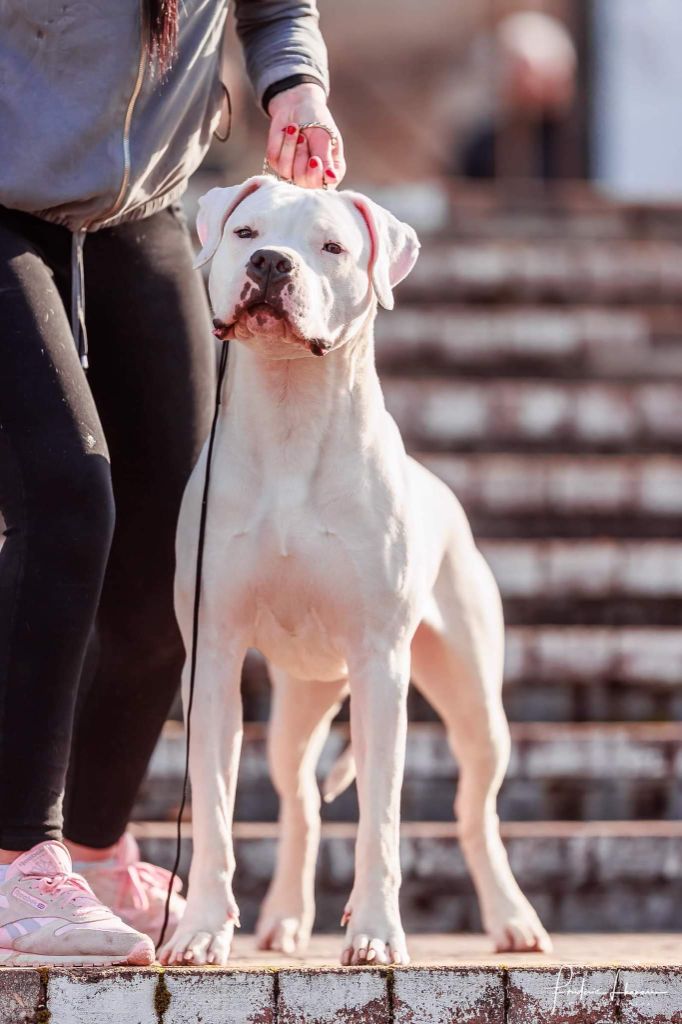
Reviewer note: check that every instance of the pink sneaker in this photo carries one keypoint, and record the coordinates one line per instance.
(135, 890)
(49, 915)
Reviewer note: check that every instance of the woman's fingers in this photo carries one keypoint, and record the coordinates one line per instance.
(324, 151)
(313, 173)
(287, 155)
(339, 165)
(301, 159)
(325, 165)
(275, 142)
(308, 157)
(320, 145)
(281, 149)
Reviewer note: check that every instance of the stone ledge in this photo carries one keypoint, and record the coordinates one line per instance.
(590, 979)
(536, 414)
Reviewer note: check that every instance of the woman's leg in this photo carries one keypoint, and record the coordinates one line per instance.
(57, 506)
(152, 371)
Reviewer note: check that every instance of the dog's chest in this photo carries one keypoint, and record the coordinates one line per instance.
(289, 573)
(311, 563)
(298, 607)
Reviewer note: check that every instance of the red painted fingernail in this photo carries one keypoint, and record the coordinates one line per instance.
(291, 128)
(330, 174)
(313, 162)
(300, 139)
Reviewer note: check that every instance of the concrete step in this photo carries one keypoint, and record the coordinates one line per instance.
(562, 771)
(536, 414)
(556, 674)
(614, 979)
(586, 568)
(575, 341)
(615, 876)
(507, 495)
(588, 581)
(526, 210)
(516, 270)
(584, 673)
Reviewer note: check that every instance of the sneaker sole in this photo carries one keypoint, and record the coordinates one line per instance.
(140, 956)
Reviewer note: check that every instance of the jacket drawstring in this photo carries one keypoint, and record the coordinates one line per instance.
(80, 334)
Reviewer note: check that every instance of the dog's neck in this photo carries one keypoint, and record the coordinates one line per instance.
(285, 411)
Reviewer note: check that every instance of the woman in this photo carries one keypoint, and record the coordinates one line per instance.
(102, 120)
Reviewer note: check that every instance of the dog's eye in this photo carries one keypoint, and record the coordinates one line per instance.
(245, 233)
(333, 247)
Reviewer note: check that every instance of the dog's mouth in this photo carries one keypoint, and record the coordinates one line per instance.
(260, 314)
(264, 312)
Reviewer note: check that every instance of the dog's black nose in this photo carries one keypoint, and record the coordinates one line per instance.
(270, 263)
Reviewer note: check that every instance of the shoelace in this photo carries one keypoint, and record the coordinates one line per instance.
(72, 886)
(137, 879)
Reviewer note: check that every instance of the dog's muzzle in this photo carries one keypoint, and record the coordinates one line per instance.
(269, 268)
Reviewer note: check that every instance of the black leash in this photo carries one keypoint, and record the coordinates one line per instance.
(195, 633)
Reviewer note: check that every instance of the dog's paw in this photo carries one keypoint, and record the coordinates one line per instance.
(282, 934)
(286, 917)
(196, 945)
(516, 928)
(373, 938)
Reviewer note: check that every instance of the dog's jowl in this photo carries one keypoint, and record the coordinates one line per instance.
(349, 565)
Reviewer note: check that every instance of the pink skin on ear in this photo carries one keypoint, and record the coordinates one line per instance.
(394, 248)
(202, 227)
(214, 210)
(371, 228)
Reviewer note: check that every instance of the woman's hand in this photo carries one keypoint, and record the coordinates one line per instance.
(307, 158)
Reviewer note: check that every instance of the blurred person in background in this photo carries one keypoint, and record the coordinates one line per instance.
(105, 111)
(535, 64)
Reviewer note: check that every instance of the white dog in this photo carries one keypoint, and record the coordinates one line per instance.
(345, 562)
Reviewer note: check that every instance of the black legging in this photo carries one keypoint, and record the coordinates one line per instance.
(80, 597)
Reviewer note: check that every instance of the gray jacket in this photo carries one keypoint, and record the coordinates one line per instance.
(89, 136)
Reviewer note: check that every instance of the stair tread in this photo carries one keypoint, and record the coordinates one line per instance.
(563, 770)
(576, 341)
(561, 485)
(467, 950)
(634, 270)
(541, 732)
(250, 830)
(538, 413)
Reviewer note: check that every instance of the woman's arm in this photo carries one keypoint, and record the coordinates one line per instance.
(282, 41)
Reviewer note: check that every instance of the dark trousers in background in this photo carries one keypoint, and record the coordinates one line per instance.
(92, 471)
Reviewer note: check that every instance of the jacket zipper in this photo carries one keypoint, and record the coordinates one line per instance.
(78, 325)
(125, 180)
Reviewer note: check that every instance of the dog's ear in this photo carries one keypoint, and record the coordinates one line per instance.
(214, 209)
(394, 247)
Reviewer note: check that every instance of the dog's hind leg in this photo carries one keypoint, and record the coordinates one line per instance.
(457, 662)
(301, 715)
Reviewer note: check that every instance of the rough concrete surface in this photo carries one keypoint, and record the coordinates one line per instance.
(588, 979)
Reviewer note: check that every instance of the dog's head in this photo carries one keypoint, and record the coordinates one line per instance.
(295, 271)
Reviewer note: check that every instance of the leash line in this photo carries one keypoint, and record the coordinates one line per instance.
(195, 633)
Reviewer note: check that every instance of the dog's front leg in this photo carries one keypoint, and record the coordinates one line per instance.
(205, 932)
(379, 727)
